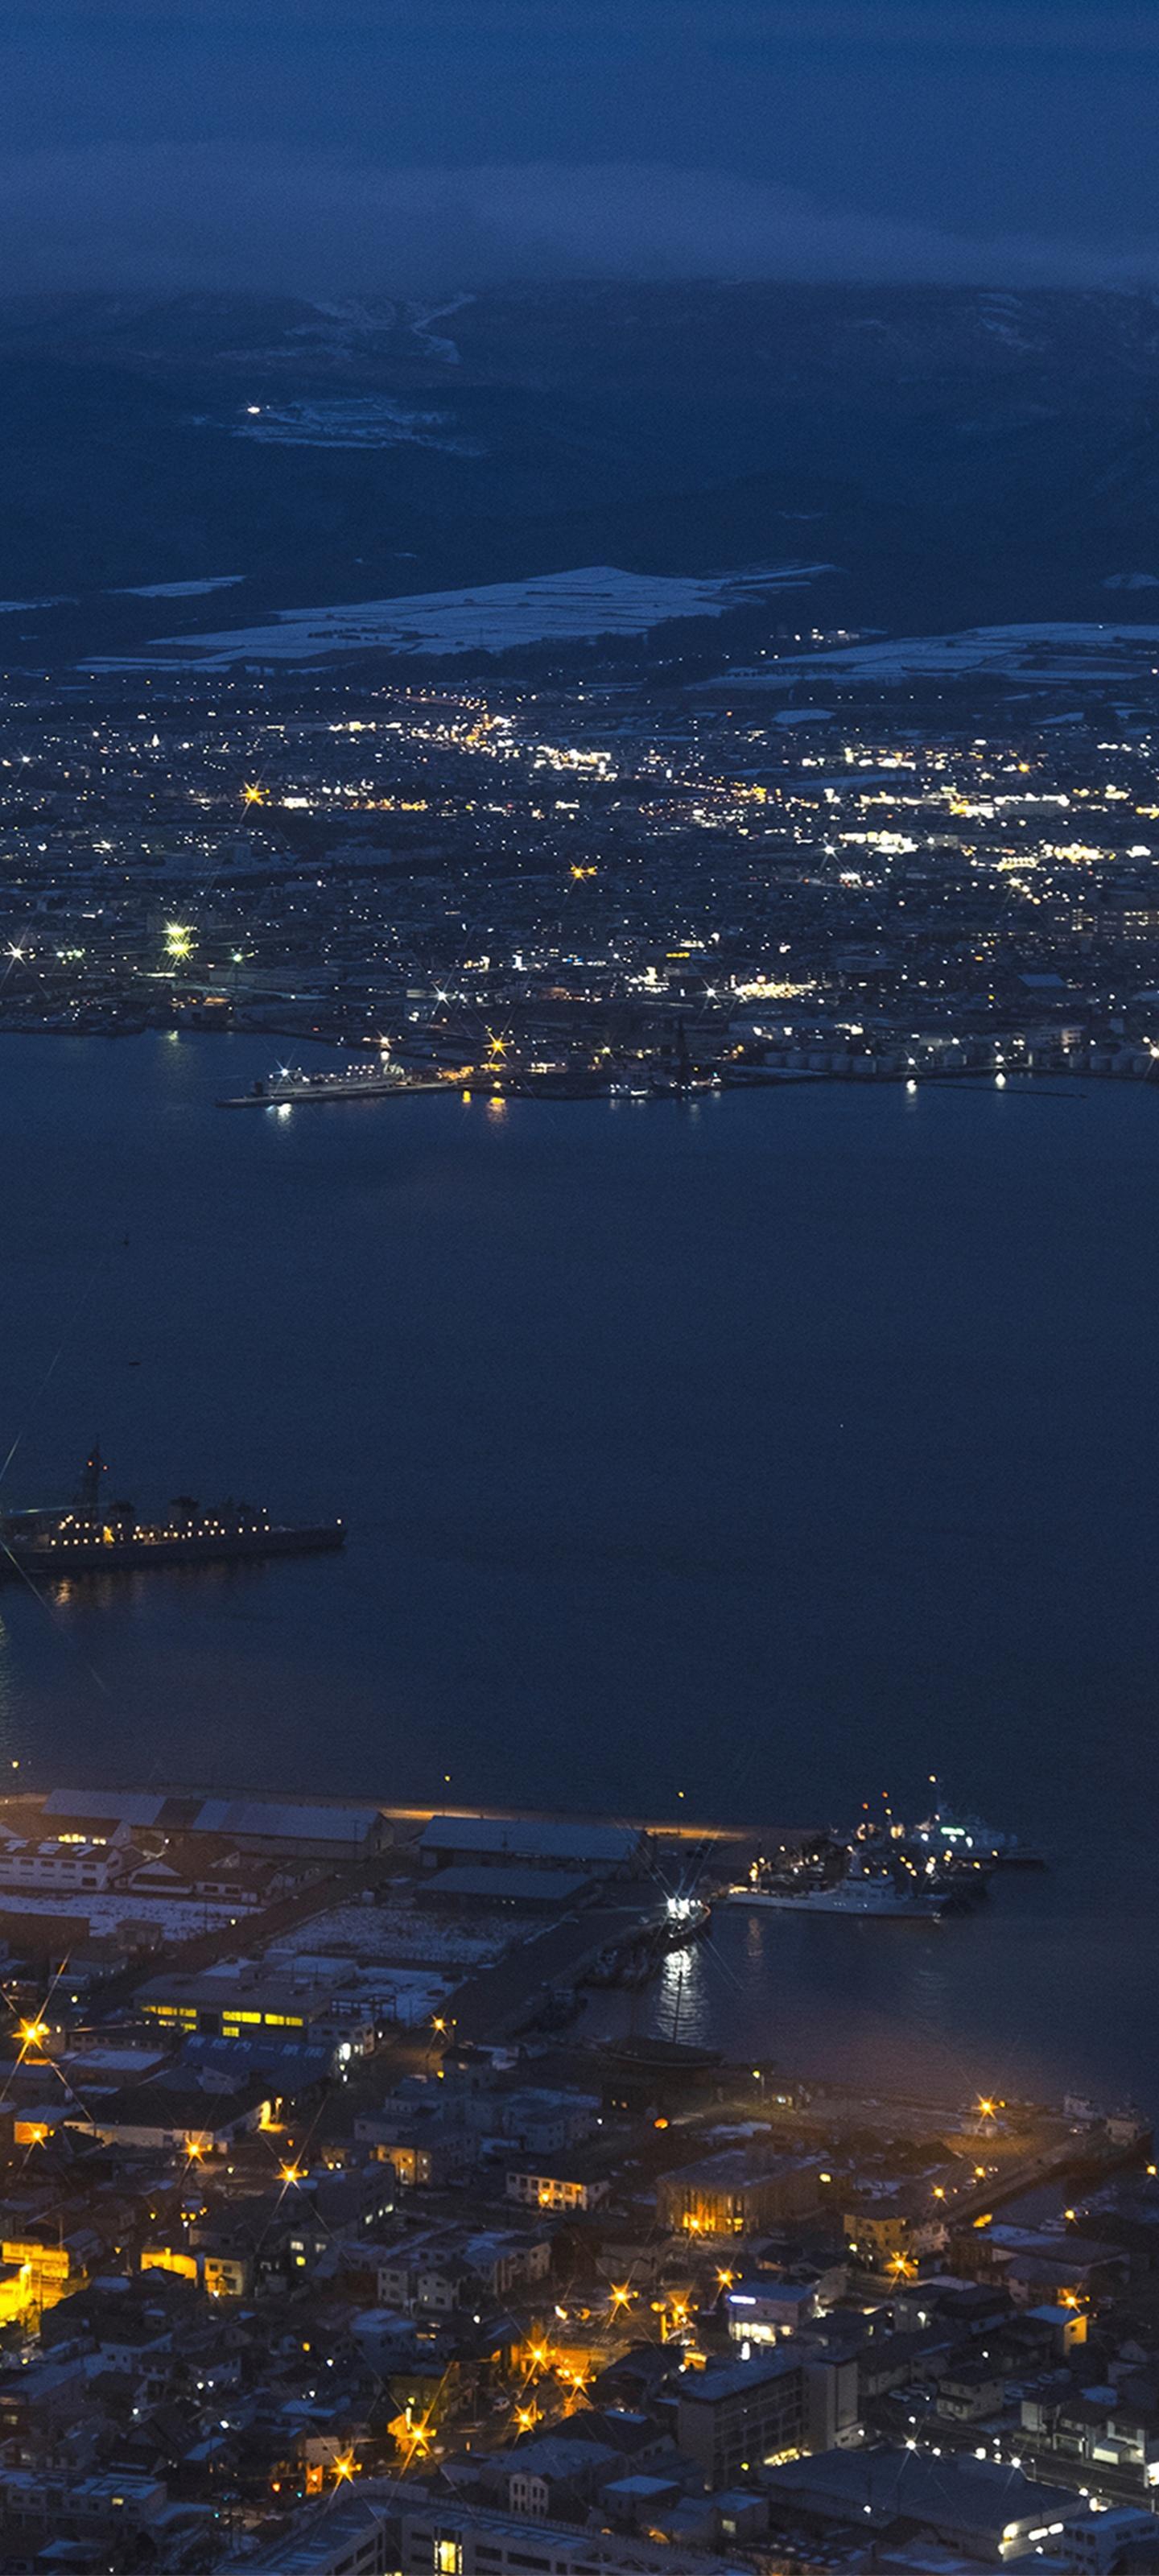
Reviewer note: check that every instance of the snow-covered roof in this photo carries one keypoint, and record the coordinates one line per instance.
(109, 1806)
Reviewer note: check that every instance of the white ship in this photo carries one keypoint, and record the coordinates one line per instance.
(946, 1835)
(861, 1893)
(288, 1088)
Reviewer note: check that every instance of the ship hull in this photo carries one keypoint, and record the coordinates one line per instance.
(312, 1095)
(137, 1555)
(896, 1909)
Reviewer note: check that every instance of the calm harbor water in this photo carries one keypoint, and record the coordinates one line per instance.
(777, 1451)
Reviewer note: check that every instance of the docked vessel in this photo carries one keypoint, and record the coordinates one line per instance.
(862, 1893)
(91, 1536)
(288, 1089)
(947, 1836)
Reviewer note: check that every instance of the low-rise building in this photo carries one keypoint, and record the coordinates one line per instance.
(64, 1862)
(987, 2512)
(393, 2527)
(733, 2193)
(575, 2182)
(498, 1841)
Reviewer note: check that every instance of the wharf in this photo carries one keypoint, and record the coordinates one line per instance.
(495, 2004)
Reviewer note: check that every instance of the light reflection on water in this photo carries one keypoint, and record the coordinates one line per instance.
(680, 2003)
(944, 2012)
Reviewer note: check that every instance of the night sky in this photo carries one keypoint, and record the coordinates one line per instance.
(343, 144)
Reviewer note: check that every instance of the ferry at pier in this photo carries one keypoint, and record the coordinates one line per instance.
(290, 1088)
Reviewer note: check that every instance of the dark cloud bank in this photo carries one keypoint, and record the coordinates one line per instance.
(171, 218)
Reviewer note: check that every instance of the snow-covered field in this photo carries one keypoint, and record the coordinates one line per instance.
(562, 606)
(177, 589)
(175, 1919)
(368, 421)
(395, 1934)
(1043, 653)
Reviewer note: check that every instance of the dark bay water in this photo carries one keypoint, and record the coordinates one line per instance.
(779, 1450)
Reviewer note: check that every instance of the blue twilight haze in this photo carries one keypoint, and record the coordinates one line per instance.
(319, 145)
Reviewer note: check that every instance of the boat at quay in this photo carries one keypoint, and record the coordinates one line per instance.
(862, 1893)
(945, 1835)
(90, 1536)
(288, 1090)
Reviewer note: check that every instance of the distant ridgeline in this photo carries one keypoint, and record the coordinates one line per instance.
(956, 456)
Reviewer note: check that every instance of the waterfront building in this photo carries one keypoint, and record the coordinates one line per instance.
(496, 1840)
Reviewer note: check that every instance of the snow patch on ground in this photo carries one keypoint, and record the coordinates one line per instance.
(174, 1919)
(1048, 653)
(371, 420)
(570, 607)
(395, 1935)
(176, 589)
(432, 342)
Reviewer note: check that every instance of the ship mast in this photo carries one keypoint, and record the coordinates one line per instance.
(89, 1489)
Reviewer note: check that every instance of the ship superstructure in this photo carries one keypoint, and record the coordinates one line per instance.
(92, 1535)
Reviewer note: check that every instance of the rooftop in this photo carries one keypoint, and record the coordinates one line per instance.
(533, 1840)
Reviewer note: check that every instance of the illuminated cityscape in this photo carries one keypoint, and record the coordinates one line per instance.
(578, 641)
(621, 885)
(340, 2197)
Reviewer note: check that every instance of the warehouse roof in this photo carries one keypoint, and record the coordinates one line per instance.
(574, 1841)
(950, 2494)
(509, 1886)
(286, 1823)
(107, 1806)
